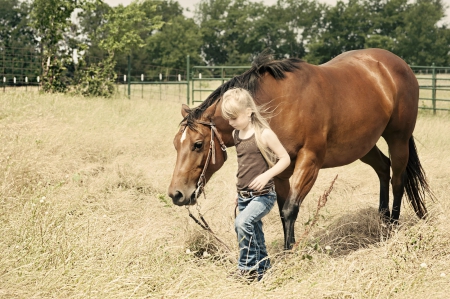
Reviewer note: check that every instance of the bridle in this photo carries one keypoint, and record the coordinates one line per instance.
(211, 154)
(202, 179)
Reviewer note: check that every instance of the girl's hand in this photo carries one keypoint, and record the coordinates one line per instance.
(259, 182)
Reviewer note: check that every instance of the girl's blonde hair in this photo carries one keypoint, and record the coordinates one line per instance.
(234, 102)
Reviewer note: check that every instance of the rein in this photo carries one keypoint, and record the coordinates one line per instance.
(202, 179)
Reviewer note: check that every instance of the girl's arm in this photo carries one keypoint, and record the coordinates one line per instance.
(271, 140)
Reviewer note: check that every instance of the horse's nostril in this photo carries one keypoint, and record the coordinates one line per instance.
(176, 196)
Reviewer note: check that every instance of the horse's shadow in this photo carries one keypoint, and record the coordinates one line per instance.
(350, 232)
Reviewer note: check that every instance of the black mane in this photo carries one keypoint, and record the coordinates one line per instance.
(263, 63)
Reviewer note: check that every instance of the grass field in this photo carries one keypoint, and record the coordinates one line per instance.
(84, 214)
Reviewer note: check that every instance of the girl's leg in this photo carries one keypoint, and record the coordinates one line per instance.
(263, 259)
(250, 242)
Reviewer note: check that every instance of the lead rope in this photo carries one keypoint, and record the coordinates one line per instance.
(205, 225)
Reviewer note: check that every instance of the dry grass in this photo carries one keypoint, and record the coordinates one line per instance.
(83, 213)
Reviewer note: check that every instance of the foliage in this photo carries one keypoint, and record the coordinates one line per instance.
(91, 19)
(51, 19)
(420, 40)
(229, 33)
(17, 43)
(178, 37)
(157, 35)
(14, 30)
(345, 28)
(166, 46)
(97, 79)
(124, 27)
(394, 25)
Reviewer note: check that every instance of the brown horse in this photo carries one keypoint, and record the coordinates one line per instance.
(325, 116)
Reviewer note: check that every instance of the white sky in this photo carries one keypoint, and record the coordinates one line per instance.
(191, 5)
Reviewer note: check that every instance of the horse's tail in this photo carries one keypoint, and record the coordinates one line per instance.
(416, 185)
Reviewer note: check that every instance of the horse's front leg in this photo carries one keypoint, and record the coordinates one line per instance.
(282, 188)
(307, 167)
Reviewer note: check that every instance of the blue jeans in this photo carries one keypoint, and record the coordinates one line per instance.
(248, 226)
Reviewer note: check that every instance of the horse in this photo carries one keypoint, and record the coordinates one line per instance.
(325, 116)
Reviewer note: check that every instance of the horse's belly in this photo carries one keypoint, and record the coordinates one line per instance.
(351, 145)
(346, 155)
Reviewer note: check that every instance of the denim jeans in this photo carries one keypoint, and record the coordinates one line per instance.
(248, 226)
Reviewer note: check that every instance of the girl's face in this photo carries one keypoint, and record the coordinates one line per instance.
(242, 121)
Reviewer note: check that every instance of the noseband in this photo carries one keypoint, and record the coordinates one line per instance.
(211, 154)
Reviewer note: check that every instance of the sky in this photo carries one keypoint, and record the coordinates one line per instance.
(191, 5)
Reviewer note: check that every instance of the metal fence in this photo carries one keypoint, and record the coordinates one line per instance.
(434, 84)
(196, 82)
(20, 69)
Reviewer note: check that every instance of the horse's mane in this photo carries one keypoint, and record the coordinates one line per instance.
(250, 80)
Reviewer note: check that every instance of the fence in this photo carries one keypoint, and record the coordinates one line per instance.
(21, 69)
(195, 82)
(434, 84)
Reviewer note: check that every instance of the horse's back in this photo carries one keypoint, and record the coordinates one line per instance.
(394, 79)
(346, 104)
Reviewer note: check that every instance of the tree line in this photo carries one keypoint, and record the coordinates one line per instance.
(85, 43)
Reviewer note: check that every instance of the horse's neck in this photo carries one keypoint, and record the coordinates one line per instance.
(224, 129)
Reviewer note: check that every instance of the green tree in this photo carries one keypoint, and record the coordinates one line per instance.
(14, 29)
(123, 29)
(176, 39)
(91, 19)
(289, 25)
(345, 27)
(167, 46)
(51, 19)
(235, 31)
(228, 30)
(18, 46)
(420, 40)
(394, 25)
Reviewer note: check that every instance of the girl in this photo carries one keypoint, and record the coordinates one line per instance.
(257, 148)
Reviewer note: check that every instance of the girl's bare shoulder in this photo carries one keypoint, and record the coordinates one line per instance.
(268, 137)
(268, 133)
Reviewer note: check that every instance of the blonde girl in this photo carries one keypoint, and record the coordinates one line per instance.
(261, 156)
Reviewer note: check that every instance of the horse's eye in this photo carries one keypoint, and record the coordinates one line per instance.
(198, 145)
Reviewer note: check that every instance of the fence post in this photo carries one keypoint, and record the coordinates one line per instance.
(129, 77)
(433, 83)
(187, 78)
(142, 90)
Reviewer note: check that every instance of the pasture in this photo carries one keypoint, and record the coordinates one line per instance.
(84, 214)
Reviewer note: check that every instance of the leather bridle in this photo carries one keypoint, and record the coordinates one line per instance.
(211, 153)
(202, 179)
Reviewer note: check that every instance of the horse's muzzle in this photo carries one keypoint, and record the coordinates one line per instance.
(179, 198)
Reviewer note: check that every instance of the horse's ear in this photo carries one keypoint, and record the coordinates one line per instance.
(185, 110)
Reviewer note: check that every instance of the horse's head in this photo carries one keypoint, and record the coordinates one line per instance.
(197, 157)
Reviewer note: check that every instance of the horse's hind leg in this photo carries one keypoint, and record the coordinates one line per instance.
(399, 151)
(381, 164)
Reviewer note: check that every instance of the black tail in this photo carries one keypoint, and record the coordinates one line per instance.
(416, 185)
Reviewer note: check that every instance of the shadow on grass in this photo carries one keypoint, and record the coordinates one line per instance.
(350, 232)
(354, 231)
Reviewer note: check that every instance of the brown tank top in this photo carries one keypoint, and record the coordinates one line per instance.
(251, 162)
